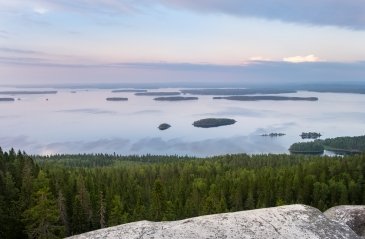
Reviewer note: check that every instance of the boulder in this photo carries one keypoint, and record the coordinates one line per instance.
(353, 216)
(293, 221)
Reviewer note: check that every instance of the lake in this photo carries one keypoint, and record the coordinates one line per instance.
(85, 122)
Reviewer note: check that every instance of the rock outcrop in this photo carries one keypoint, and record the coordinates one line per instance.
(294, 221)
(352, 216)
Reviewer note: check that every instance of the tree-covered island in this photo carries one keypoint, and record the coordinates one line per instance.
(164, 126)
(116, 99)
(213, 122)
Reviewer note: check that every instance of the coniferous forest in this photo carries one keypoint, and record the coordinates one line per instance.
(51, 197)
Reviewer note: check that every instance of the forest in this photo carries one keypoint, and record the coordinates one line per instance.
(61, 195)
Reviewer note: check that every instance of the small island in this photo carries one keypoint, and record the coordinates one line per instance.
(128, 90)
(315, 148)
(164, 126)
(175, 98)
(273, 135)
(310, 135)
(273, 98)
(157, 93)
(213, 122)
(7, 99)
(116, 99)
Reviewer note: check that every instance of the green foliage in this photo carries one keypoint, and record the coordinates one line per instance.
(351, 144)
(314, 147)
(339, 145)
(112, 190)
(42, 219)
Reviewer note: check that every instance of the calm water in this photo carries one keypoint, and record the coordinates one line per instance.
(84, 122)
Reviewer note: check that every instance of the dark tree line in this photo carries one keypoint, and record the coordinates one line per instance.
(50, 197)
(341, 145)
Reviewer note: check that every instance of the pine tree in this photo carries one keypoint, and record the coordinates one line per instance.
(158, 201)
(42, 219)
(102, 210)
(117, 215)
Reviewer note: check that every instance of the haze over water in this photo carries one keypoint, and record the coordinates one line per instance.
(84, 122)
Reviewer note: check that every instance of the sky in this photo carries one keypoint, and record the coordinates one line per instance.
(163, 41)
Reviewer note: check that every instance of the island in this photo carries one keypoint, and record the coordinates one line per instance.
(235, 91)
(339, 145)
(116, 99)
(128, 90)
(175, 98)
(345, 145)
(7, 99)
(273, 135)
(274, 98)
(314, 147)
(28, 92)
(157, 93)
(213, 122)
(310, 135)
(164, 126)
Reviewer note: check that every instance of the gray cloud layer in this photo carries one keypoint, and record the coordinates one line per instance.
(343, 13)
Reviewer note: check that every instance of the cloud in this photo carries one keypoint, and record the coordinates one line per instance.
(300, 59)
(18, 51)
(4, 34)
(40, 10)
(342, 13)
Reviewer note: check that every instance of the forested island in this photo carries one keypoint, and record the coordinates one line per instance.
(274, 98)
(7, 99)
(157, 93)
(128, 91)
(310, 135)
(339, 145)
(235, 91)
(213, 122)
(315, 147)
(38, 92)
(175, 98)
(63, 195)
(116, 99)
(164, 126)
(273, 135)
